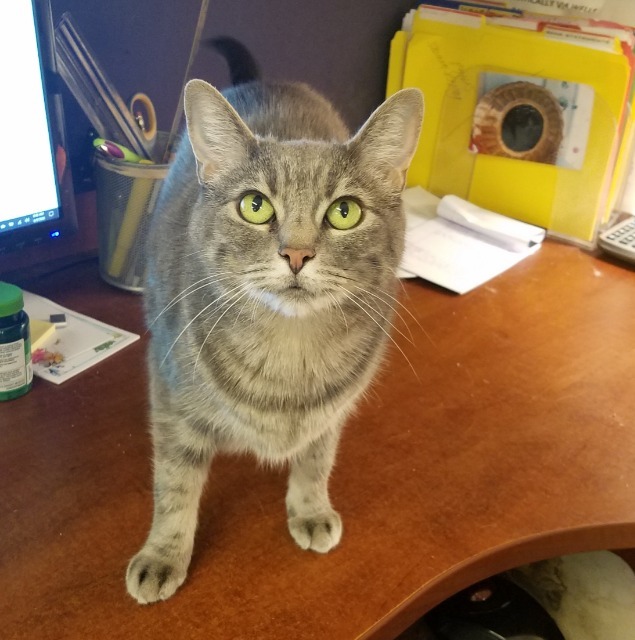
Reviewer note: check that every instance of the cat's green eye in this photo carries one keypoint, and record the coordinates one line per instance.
(344, 214)
(255, 208)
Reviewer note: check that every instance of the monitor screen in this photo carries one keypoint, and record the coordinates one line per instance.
(36, 198)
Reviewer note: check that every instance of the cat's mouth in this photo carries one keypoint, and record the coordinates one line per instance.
(298, 292)
(295, 298)
(295, 284)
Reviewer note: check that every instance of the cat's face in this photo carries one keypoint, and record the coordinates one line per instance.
(298, 226)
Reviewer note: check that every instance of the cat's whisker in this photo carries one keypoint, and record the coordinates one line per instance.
(256, 304)
(394, 310)
(423, 330)
(349, 295)
(425, 333)
(208, 280)
(339, 306)
(381, 315)
(249, 299)
(201, 312)
(404, 307)
(338, 275)
(244, 290)
(394, 299)
(211, 279)
(380, 298)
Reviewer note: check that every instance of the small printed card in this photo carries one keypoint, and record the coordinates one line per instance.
(73, 348)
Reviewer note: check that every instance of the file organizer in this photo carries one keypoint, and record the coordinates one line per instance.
(448, 54)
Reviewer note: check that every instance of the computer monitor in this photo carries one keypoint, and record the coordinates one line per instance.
(37, 205)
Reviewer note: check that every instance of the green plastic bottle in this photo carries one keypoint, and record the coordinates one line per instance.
(16, 372)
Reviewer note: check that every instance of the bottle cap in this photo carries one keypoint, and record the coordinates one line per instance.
(11, 299)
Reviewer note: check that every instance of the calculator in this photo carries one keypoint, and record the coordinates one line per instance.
(619, 240)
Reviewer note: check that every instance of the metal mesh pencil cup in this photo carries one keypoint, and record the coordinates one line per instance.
(126, 195)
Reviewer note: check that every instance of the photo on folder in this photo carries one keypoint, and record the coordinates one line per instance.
(532, 119)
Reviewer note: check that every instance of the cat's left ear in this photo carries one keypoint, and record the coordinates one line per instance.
(389, 138)
(219, 137)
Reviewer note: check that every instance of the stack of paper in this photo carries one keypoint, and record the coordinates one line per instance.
(458, 246)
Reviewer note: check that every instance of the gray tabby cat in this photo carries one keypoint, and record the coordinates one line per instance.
(270, 294)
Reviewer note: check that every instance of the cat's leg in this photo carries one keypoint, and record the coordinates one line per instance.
(312, 521)
(181, 464)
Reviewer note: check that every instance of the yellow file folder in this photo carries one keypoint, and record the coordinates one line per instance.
(450, 62)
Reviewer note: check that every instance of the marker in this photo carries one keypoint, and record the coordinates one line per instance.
(119, 152)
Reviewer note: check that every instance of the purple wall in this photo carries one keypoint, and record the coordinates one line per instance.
(339, 47)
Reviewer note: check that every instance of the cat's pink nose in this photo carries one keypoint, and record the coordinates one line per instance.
(297, 257)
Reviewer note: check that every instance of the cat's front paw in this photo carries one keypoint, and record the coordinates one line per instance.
(319, 533)
(151, 578)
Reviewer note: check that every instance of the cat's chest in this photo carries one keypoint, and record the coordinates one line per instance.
(271, 384)
(294, 354)
(289, 365)
(281, 392)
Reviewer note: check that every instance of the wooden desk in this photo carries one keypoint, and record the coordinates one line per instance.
(515, 443)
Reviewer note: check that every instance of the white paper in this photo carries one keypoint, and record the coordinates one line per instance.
(82, 343)
(507, 232)
(447, 254)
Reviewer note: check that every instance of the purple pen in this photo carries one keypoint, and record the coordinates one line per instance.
(108, 148)
(118, 151)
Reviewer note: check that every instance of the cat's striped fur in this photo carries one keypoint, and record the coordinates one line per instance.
(264, 336)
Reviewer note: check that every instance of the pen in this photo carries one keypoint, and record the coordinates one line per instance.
(118, 151)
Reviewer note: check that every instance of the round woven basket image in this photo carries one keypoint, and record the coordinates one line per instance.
(519, 120)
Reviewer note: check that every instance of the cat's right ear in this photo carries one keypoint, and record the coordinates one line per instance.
(219, 137)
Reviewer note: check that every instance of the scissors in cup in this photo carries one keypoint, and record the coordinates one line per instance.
(144, 114)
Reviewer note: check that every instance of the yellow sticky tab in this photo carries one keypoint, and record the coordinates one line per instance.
(41, 332)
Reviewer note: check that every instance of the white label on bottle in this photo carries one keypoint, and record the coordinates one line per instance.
(14, 369)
